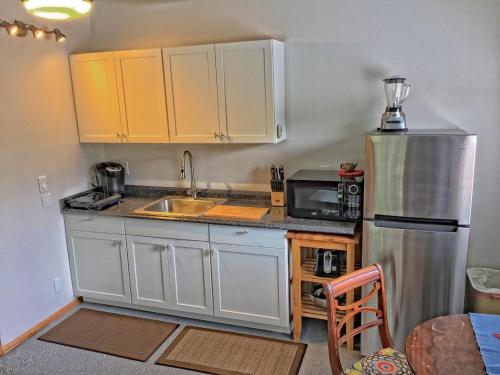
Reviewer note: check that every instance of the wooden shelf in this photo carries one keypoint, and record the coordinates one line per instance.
(310, 310)
(308, 272)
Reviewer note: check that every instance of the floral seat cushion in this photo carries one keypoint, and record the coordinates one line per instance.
(388, 361)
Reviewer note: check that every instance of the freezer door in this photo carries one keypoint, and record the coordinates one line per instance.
(424, 274)
(420, 176)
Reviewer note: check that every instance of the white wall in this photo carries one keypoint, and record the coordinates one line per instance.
(337, 53)
(38, 136)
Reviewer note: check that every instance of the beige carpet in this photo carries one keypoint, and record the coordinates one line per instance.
(115, 334)
(228, 353)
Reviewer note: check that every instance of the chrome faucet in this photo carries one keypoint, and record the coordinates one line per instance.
(193, 192)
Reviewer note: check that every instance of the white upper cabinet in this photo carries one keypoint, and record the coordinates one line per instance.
(191, 83)
(120, 97)
(96, 97)
(217, 93)
(250, 79)
(141, 92)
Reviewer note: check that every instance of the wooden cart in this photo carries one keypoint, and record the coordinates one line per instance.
(303, 271)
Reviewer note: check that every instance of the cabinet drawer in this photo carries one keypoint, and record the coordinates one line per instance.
(248, 236)
(167, 229)
(93, 223)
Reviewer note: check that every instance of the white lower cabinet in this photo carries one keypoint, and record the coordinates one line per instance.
(251, 284)
(190, 276)
(149, 271)
(170, 274)
(241, 275)
(98, 263)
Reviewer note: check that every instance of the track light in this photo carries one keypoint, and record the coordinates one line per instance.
(58, 9)
(60, 37)
(20, 29)
(37, 33)
(11, 28)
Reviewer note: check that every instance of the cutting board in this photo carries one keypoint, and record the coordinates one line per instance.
(237, 212)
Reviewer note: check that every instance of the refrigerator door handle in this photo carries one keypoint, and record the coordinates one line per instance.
(416, 224)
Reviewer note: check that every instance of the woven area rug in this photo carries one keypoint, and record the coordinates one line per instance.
(120, 335)
(228, 353)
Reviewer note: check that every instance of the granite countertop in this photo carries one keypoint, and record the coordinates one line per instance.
(139, 196)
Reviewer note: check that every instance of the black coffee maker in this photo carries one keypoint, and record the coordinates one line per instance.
(110, 177)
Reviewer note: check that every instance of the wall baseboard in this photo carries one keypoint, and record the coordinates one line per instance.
(4, 349)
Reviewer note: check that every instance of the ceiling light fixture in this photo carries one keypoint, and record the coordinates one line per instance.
(11, 28)
(60, 37)
(37, 33)
(58, 9)
(20, 29)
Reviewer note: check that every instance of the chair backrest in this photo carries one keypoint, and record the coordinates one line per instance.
(369, 275)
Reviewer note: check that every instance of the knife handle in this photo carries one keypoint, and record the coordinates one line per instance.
(281, 173)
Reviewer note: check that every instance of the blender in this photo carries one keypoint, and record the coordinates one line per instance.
(396, 92)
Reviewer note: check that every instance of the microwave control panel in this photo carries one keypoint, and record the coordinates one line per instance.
(350, 194)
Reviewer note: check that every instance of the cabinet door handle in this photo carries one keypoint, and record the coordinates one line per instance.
(125, 136)
(87, 219)
(169, 247)
(117, 243)
(212, 252)
(118, 135)
(241, 232)
(216, 135)
(279, 131)
(208, 252)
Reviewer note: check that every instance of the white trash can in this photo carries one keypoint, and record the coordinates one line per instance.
(484, 290)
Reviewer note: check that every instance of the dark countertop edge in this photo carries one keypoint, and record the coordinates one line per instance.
(348, 227)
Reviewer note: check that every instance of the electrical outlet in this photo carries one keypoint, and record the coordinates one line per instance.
(57, 283)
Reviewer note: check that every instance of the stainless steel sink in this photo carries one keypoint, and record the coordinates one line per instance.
(179, 206)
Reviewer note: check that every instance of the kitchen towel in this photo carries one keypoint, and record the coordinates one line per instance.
(487, 330)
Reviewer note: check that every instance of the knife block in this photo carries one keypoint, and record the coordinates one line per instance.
(278, 198)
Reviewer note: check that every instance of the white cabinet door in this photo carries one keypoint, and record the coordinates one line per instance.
(251, 284)
(190, 276)
(99, 266)
(96, 97)
(149, 271)
(191, 85)
(141, 90)
(250, 79)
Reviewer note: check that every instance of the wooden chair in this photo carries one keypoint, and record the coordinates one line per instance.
(386, 361)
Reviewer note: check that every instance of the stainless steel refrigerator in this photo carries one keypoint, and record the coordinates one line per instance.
(418, 191)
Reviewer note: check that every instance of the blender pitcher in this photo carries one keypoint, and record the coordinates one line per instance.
(396, 91)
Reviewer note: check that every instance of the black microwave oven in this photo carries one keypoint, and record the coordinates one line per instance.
(323, 194)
